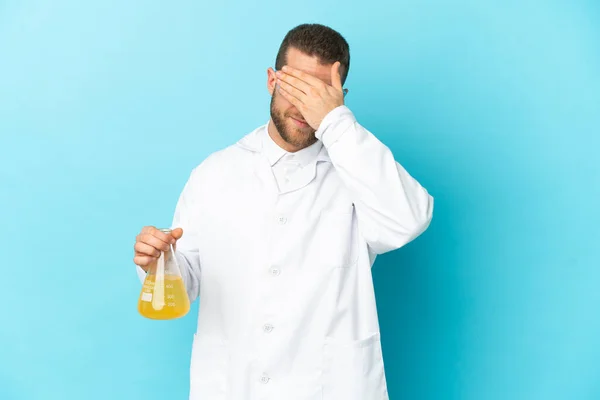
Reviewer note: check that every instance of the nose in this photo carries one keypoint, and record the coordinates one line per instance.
(294, 112)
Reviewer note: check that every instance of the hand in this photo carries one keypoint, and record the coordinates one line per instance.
(311, 96)
(151, 242)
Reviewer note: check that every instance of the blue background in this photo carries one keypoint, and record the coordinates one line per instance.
(106, 106)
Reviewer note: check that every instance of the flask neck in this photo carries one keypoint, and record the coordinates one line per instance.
(168, 232)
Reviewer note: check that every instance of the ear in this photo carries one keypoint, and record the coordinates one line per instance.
(271, 80)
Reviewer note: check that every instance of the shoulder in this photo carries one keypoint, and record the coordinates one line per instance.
(229, 159)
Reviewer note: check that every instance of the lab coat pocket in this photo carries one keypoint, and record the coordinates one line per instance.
(208, 369)
(335, 239)
(354, 370)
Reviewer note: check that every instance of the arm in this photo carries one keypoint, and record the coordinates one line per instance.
(186, 247)
(392, 207)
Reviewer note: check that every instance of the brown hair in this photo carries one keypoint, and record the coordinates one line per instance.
(316, 40)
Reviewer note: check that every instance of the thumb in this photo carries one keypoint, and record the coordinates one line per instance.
(177, 233)
(336, 78)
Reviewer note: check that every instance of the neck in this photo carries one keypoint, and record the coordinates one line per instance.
(274, 133)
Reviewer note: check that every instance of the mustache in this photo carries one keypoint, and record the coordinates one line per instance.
(298, 117)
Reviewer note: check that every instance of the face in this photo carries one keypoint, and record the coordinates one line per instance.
(292, 133)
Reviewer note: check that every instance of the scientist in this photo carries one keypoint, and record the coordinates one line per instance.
(277, 233)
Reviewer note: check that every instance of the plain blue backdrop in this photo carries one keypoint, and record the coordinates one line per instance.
(494, 106)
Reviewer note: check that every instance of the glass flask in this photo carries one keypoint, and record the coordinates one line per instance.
(163, 294)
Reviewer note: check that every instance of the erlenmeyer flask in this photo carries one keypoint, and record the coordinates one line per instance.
(163, 295)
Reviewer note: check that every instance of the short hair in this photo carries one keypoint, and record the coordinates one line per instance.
(316, 40)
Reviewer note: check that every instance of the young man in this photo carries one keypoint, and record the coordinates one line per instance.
(277, 235)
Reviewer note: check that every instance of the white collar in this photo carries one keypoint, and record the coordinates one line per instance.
(274, 153)
(255, 142)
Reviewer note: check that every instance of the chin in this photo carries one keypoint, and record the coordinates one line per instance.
(303, 131)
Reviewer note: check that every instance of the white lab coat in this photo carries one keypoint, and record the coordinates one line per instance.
(287, 307)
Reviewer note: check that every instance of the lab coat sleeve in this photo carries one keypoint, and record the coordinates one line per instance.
(186, 247)
(392, 208)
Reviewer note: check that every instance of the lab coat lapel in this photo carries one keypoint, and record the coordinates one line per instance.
(262, 169)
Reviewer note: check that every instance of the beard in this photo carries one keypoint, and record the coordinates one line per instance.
(295, 136)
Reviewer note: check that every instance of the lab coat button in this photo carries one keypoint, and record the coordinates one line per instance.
(264, 379)
(282, 220)
(268, 328)
(275, 271)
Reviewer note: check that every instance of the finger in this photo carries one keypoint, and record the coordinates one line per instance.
(155, 242)
(295, 82)
(165, 237)
(299, 105)
(336, 78)
(311, 80)
(147, 229)
(143, 261)
(146, 250)
(300, 95)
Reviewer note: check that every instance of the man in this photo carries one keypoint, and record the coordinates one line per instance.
(277, 235)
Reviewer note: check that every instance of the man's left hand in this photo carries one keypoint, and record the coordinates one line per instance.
(311, 96)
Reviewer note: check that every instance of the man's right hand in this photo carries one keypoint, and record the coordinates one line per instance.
(151, 242)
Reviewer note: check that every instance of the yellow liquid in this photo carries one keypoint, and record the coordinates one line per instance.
(174, 302)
